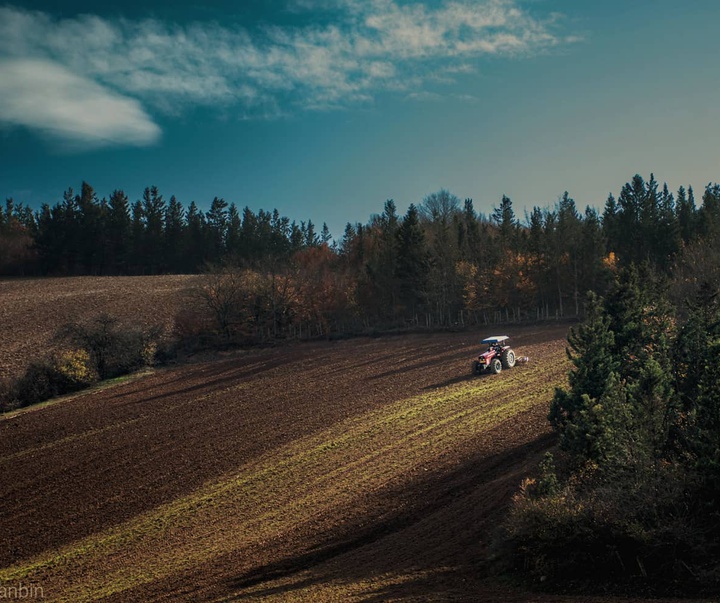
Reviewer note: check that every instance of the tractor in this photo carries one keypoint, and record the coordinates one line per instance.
(499, 355)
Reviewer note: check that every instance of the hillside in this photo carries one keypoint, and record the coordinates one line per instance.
(370, 469)
(31, 310)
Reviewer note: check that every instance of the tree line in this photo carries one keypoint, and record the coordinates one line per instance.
(441, 263)
(84, 235)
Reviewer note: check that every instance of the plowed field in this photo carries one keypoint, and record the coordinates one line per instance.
(31, 310)
(361, 470)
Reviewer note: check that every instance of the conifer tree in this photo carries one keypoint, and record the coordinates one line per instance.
(216, 222)
(234, 232)
(591, 352)
(119, 232)
(153, 215)
(412, 262)
(174, 238)
(686, 215)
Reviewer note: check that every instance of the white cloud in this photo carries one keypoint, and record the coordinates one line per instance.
(369, 46)
(46, 96)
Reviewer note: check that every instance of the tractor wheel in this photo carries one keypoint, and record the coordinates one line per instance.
(495, 366)
(476, 368)
(508, 359)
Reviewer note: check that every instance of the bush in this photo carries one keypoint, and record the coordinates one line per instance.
(623, 535)
(98, 349)
(68, 372)
(113, 349)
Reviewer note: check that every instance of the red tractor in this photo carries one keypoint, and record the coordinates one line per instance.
(498, 356)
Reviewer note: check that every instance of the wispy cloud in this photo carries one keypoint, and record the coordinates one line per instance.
(48, 97)
(366, 47)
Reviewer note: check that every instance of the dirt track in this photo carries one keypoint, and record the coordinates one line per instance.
(368, 470)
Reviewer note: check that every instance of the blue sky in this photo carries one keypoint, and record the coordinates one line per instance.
(326, 109)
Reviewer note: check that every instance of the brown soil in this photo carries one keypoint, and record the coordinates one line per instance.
(361, 470)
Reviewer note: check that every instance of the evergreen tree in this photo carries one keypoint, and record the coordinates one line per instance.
(440, 218)
(249, 237)
(152, 245)
(137, 238)
(594, 366)
(504, 217)
(119, 232)
(381, 295)
(667, 236)
(412, 262)
(296, 238)
(216, 223)
(90, 231)
(692, 354)
(629, 244)
(67, 223)
(686, 215)
(233, 243)
(594, 274)
(610, 225)
(709, 213)
(195, 248)
(569, 238)
(174, 236)
(469, 238)
(311, 238)
(325, 236)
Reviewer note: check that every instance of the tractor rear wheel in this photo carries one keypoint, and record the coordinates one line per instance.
(495, 366)
(508, 359)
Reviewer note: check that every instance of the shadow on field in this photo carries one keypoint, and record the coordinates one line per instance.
(445, 357)
(432, 534)
(206, 378)
(470, 376)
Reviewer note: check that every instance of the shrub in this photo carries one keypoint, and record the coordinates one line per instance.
(67, 372)
(76, 368)
(98, 349)
(628, 532)
(112, 349)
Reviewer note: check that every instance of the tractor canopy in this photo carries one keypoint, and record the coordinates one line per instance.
(495, 340)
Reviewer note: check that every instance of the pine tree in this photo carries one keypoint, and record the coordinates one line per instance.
(412, 262)
(91, 231)
(569, 236)
(686, 215)
(709, 213)
(216, 220)
(195, 257)
(504, 217)
(119, 231)
(153, 245)
(174, 230)
(233, 243)
(381, 295)
(325, 236)
(610, 225)
(594, 274)
(591, 352)
(469, 238)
